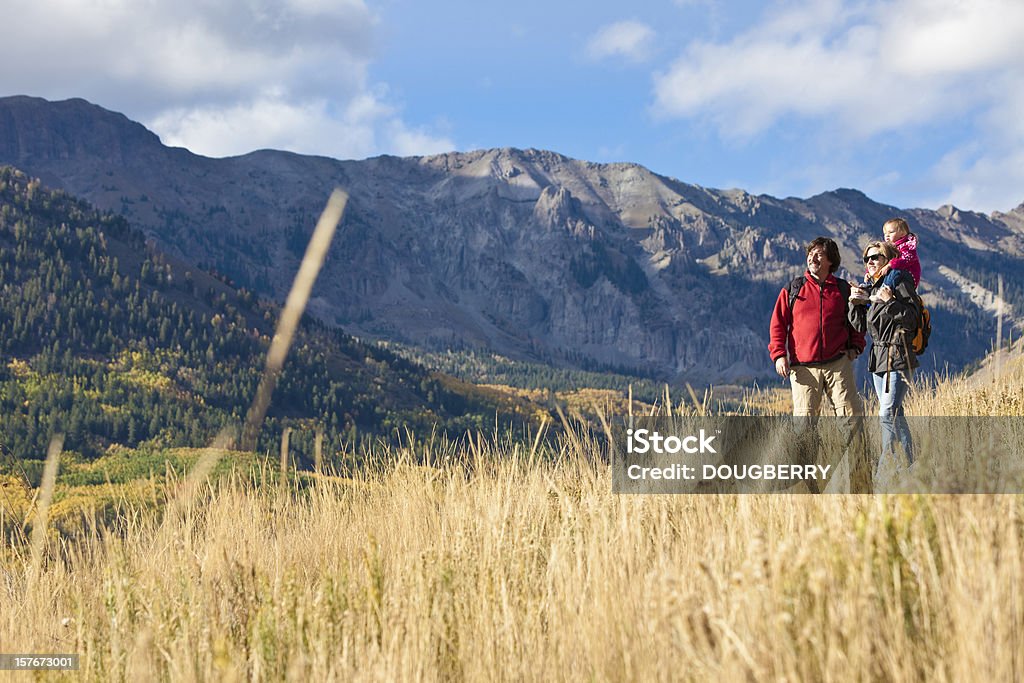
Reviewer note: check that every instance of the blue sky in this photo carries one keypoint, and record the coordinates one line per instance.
(915, 102)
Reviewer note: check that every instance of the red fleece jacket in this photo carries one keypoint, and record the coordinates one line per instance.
(815, 329)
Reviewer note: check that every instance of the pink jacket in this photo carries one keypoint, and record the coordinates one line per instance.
(907, 260)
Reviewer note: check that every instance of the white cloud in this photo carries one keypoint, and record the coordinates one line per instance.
(367, 126)
(952, 38)
(218, 78)
(267, 123)
(987, 172)
(858, 70)
(628, 39)
(406, 141)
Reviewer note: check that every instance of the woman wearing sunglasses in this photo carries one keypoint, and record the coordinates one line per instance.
(889, 314)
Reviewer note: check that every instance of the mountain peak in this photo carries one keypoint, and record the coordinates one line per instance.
(35, 129)
(846, 194)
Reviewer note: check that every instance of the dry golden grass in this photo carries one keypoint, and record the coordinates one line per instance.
(506, 563)
(584, 401)
(985, 393)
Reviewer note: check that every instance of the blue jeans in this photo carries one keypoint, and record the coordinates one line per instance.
(890, 414)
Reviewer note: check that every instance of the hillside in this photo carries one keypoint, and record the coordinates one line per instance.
(524, 253)
(107, 339)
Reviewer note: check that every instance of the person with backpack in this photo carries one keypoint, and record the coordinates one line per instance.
(813, 344)
(810, 338)
(891, 314)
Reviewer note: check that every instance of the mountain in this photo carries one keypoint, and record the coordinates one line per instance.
(109, 340)
(526, 253)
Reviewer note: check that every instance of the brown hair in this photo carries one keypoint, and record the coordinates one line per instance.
(831, 251)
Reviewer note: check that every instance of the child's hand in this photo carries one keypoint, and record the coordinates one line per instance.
(880, 273)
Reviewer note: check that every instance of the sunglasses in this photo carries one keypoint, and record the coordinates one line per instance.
(871, 258)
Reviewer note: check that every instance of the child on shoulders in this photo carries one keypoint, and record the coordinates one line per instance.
(897, 233)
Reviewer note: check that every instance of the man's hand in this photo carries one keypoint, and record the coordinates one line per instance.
(885, 294)
(782, 366)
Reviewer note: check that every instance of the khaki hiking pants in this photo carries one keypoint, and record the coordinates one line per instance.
(835, 379)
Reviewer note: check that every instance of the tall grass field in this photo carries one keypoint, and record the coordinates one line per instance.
(507, 560)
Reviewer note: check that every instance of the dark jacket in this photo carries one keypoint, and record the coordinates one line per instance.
(892, 325)
(815, 330)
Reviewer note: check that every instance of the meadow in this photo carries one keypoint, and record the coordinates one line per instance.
(494, 559)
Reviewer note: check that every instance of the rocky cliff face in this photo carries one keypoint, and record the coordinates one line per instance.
(524, 252)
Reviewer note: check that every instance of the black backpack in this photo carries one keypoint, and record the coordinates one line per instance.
(797, 284)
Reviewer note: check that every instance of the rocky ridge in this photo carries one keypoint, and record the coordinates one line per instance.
(525, 252)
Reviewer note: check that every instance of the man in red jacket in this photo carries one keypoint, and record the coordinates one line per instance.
(811, 341)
